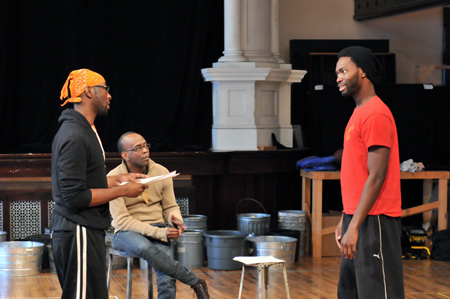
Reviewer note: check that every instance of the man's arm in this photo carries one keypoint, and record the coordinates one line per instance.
(102, 196)
(116, 180)
(377, 164)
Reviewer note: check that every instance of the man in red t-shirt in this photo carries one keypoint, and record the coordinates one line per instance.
(369, 233)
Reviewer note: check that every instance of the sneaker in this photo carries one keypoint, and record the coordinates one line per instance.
(201, 290)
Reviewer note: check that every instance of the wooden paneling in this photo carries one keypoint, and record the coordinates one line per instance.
(367, 9)
(217, 181)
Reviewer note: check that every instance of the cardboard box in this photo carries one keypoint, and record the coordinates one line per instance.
(329, 246)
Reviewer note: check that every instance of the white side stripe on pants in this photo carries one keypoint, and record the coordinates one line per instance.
(382, 259)
(81, 262)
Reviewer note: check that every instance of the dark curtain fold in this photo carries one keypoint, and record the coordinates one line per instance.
(150, 52)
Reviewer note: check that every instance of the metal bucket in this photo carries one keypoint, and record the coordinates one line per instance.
(277, 246)
(51, 261)
(21, 258)
(222, 246)
(44, 239)
(195, 222)
(2, 236)
(288, 233)
(190, 248)
(255, 224)
(294, 220)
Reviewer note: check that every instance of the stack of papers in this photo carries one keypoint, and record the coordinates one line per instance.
(249, 260)
(157, 178)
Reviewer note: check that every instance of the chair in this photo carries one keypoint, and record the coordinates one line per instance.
(129, 257)
(262, 263)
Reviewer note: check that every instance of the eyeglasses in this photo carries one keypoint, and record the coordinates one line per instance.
(138, 148)
(104, 86)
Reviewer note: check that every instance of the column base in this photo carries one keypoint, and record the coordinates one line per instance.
(249, 139)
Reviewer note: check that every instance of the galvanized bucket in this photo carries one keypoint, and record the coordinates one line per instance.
(195, 222)
(222, 247)
(44, 239)
(288, 233)
(190, 248)
(277, 246)
(2, 236)
(254, 224)
(51, 261)
(21, 258)
(294, 220)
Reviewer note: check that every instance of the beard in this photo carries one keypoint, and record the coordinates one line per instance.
(351, 88)
(102, 110)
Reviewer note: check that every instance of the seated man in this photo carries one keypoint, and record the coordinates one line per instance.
(139, 222)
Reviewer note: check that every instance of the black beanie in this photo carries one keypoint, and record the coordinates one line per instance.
(364, 59)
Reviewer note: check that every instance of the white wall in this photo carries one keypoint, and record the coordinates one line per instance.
(415, 37)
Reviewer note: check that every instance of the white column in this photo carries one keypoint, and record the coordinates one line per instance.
(233, 48)
(251, 83)
(258, 46)
(275, 30)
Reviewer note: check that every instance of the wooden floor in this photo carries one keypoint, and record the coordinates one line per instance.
(310, 278)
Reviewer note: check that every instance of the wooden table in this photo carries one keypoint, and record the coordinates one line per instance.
(317, 178)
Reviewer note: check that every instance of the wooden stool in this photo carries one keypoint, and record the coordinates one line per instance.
(262, 263)
(129, 257)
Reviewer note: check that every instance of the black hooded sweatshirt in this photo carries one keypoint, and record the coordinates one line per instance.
(77, 166)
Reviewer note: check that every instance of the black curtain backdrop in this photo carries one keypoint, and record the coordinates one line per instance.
(150, 52)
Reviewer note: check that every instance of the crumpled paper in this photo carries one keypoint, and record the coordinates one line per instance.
(411, 166)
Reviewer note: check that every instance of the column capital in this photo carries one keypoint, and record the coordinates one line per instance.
(235, 74)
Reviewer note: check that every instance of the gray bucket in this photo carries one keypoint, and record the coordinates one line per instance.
(277, 246)
(255, 224)
(2, 236)
(294, 220)
(44, 239)
(21, 258)
(195, 222)
(288, 233)
(190, 248)
(51, 261)
(222, 246)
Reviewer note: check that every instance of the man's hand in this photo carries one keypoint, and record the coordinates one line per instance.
(116, 180)
(338, 233)
(134, 189)
(178, 224)
(348, 243)
(172, 233)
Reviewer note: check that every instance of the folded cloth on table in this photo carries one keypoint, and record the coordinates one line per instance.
(314, 163)
(411, 166)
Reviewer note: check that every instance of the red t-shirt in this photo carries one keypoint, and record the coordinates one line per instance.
(372, 124)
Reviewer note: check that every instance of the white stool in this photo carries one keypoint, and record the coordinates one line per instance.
(262, 263)
(129, 257)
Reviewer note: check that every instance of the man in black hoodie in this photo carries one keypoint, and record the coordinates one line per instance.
(81, 190)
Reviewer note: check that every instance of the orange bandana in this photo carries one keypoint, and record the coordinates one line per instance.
(78, 80)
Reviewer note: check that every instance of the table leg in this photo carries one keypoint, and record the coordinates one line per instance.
(317, 218)
(266, 282)
(306, 197)
(427, 191)
(306, 206)
(442, 211)
(261, 282)
(242, 281)
(286, 282)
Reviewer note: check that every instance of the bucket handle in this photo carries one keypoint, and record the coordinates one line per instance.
(251, 200)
